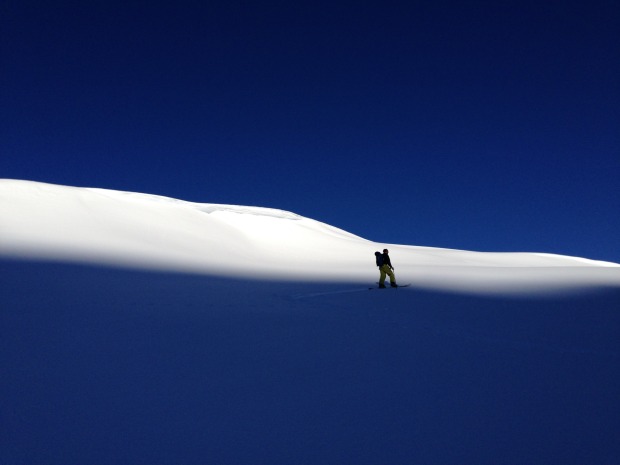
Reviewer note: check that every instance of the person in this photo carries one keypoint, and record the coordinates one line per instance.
(385, 269)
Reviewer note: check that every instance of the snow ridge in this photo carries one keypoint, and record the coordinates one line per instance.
(100, 226)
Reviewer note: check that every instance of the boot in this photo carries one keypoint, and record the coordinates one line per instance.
(381, 286)
(393, 284)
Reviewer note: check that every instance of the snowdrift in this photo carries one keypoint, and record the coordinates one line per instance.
(98, 226)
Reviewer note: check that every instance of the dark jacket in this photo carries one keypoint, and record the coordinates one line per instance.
(386, 260)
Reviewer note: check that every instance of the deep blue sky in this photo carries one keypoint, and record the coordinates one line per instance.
(487, 126)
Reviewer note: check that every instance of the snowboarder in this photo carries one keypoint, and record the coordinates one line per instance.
(385, 268)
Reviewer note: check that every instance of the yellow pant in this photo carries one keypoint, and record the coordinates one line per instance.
(386, 270)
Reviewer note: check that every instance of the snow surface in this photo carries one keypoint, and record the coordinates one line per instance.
(137, 329)
(44, 221)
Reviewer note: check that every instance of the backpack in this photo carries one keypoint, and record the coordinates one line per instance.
(379, 258)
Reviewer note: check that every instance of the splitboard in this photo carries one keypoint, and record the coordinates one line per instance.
(389, 287)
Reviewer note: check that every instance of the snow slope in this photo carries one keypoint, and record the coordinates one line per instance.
(151, 232)
(137, 329)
